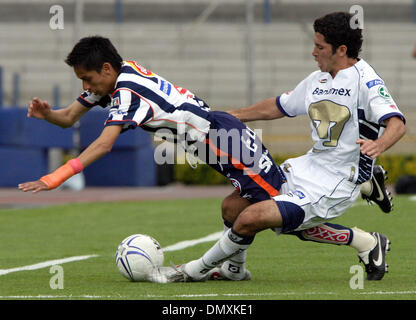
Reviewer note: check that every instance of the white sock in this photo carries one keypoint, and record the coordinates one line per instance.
(362, 240)
(236, 266)
(224, 249)
(367, 188)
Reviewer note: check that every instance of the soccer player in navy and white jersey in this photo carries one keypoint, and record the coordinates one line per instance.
(143, 99)
(353, 120)
(140, 98)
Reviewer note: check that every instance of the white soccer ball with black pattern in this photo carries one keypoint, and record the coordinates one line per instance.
(137, 255)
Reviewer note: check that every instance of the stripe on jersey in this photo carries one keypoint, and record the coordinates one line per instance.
(368, 131)
(200, 112)
(90, 100)
(159, 100)
(126, 124)
(390, 115)
(146, 93)
(140, 110)
(153, 106)
(141, 118)
(81, 99)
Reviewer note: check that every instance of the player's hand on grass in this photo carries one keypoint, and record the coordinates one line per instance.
(38, 109)
(34, 186)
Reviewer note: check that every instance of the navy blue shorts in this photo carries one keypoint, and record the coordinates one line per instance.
(292, 215)
(235, 151)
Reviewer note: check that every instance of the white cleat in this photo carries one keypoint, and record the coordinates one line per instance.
(218, 274)
(171, 274)
(162, 275)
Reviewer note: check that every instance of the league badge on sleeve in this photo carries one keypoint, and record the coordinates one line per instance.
(382, 91)
(115, 102)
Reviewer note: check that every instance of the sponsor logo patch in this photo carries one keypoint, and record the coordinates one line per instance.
(374, 82)
(327, 235)
(233, 269)
(140, 69)
(233, 237)
(299, 194)
(123, 113)
(236, 184)
(333, 91)
(165, 87)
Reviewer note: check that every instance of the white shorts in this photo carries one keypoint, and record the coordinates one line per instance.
(321, 194)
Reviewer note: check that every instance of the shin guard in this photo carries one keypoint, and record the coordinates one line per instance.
(328, 233)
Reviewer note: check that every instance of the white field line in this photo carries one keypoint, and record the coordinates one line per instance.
(189, 243)
(45, 264)
(177, 246)
(210, 295)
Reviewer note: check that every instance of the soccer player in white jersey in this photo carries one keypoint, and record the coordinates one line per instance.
(353, 120)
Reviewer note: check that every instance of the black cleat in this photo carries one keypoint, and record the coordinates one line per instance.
(375, 259)
(379, 193)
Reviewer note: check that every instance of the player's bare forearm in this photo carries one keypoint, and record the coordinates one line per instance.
(63, 118)
(101, 146)
(395, 130)
(264, 110)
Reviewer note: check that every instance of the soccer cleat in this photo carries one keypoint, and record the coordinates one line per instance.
(171, 274)
(375, 259)
(163, 275)
(379, 193)
(218, 274)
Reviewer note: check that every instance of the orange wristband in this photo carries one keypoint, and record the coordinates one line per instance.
(56, 178)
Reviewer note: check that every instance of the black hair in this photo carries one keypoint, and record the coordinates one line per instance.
(92, 52)
(336, 29)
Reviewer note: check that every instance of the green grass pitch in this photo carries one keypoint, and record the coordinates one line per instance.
(283, 267)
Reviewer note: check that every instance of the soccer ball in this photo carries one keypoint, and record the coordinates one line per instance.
(137, 255)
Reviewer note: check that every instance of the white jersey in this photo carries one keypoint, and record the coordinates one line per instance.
(142, 98)
(352, 105)
(326, 180)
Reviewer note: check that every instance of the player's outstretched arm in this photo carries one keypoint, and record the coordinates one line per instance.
(264, 110)
(65, 118)
(101, 146)
(395, 130)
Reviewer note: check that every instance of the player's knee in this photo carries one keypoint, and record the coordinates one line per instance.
(250, 222)
(246, 225)
(227, 210)
(232, 206)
